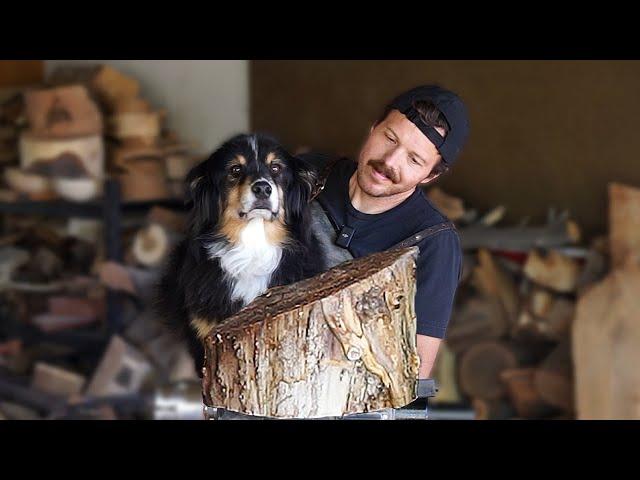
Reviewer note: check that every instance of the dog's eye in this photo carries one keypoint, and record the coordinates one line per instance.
(235, 171)
(275, 168)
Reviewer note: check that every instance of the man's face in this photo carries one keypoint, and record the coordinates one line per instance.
(396, 157)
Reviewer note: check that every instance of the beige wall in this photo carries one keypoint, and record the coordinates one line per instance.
(206, 100)
(543, 133)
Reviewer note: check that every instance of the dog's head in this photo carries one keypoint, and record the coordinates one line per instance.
(249, 176)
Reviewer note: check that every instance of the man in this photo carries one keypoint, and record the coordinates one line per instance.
(374, 204)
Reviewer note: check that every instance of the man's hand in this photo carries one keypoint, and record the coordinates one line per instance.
(427, 351)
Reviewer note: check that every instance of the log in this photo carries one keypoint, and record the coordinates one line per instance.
(141, 187)
(178, 165)
(624, 235)
(35, 186)
(122, 370)
(494, 216)
(131, 105)
(339, 343)
(492, 409)
(444, 373)
(56, 381)
(169, 219)
(152, 244)
(62, 112)
(556, 271)
(554, 378)
(87, 151)
(452, 207)
(480, 318)
(523, 394)
(112, 86)
(481, 365)
(491, 280)
(143, 127)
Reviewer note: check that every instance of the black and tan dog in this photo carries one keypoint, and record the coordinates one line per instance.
(249, 230)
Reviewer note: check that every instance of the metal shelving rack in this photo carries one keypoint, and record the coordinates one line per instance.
(110, 209)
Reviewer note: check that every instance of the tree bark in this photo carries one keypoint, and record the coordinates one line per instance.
(342, 342)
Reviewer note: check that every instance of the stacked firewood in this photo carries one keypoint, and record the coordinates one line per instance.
(508, 349)
(61, 139)
(53, 283)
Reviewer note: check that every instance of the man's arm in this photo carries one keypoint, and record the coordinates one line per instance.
(438, 271)
(427, 351)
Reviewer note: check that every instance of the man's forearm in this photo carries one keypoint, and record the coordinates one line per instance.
(427, 351)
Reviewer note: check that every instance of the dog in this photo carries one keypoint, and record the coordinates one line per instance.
(248, 230)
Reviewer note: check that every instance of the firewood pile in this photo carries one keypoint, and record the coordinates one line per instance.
(53, 284)
(62, 139)
(508, 352)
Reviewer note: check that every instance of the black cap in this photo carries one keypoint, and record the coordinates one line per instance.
(451, 107)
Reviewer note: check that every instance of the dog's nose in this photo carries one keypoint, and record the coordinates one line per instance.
(261, 189)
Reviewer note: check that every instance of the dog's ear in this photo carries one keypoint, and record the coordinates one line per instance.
(305, 178)
(202, 194)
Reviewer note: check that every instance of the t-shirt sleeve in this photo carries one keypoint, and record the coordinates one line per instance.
(438, 273)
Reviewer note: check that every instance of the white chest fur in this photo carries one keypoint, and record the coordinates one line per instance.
(250, 263)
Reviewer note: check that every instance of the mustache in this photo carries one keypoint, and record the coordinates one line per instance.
(382, 168)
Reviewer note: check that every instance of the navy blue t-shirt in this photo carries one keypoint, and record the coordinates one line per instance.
(439, 261)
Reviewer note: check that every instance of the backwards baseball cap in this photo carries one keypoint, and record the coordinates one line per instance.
(451, 107)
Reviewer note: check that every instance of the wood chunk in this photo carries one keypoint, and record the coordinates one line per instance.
(624, 211)
(113, 86)
(341, 342)
(122, 370)
(493, 281)
(523, 394)
(169, 219)
(88, 150)
(62, 112)
(482, 364)
(452, 207)
(554, 378)
(556, 271)
(56, 381)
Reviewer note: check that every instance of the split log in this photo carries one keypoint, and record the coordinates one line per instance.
(491, 280)
(452, 207)
(523, 394)
(494, 216)
(112, 86)
(554, 378)
(556, 271)
(122, 370)
(144, 127)
(481, 365)
(478, 319)
(88, 151)
(444, 373)
(520, 239)
(56, 381)
(167, 218)
(624, 235)
(33, 185)
(177, 165)
(49, 322)
(152, 244)
(131, 105)
(62, 112)
(492, 409)
(141, 187)
(605, 339)
(342, 342)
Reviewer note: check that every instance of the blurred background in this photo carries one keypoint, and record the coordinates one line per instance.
(93, 155)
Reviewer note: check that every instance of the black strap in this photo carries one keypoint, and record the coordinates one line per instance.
(422, 234)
